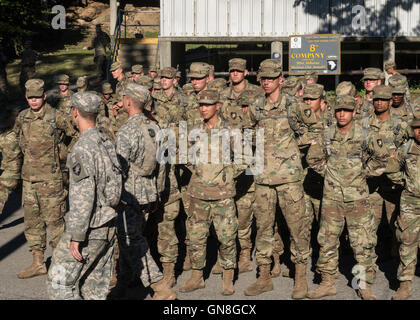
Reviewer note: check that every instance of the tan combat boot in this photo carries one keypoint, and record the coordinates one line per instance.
(168, 277)
(275, 272)
(217, 269)
(300, 288)
(187, 261)
(195, 282)
(37, 268)
(263, 283)
(326, 287)
(227, 285)
(244, 263)
(164, 293)
(366, 293)
(403, 292)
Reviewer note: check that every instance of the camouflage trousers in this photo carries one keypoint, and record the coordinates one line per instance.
(44, 206)
(4, 195)
(135, 260)
(361, 224)
(222, 214)
(408, 234)
(244, 205)
(167, 238)
(391, 199)
(69, 279)
(292, 204)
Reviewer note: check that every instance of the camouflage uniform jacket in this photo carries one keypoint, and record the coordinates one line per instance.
(282, 162)
(93, 192)
(170, 109)
(365, 108)
(100, 42)
(105, 126)
(192, 111)
(404, 111)
(136, 147)
(232, 111)
(63, 102)
(42, 144)
(120, 85)
(11, 161)
(346, 161)
(408, 158)
(118, 120)
(108, 105)
(209, 180)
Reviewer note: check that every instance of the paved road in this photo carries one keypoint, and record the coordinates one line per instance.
(14, 256)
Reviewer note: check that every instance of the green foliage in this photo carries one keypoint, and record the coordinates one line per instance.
(23, 19)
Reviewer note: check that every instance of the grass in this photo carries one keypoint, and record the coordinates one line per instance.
(74, 62)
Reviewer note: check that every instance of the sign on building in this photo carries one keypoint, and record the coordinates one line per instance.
(315, 52)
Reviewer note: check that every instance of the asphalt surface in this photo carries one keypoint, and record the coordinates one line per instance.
(14, 256)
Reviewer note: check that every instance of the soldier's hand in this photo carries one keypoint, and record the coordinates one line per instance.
(74, 250)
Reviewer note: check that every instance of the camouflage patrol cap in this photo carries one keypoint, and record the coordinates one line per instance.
(237, 64)
(128, 74)
(218, 84)
(106, 88)
(86, 101)
(373, 74)
(291, 85)
(188, 87)
(209, 96)
(389, 64)
(136, 92)
(382, 92)
(345, 102)
(137, 69)
(399, 83)
(168, 72)
(313, 91)
(270, 68)
(63, 79)
(246, 97)
(153, 68)
(156, 83)
(115, 66)
(311, 75)
(199, 70)
(34, 88)
(145, 81)
(345, 88)
(81, 82)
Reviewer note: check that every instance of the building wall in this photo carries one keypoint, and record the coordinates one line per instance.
(281, 18)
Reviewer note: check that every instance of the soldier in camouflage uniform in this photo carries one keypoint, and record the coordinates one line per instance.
(291, 86)
(147, 82)
(118, 74)
(400, 104)
(27, 64)
(281, 180)
(188, 89)
(11, 156)
(62, 102)
(41, 130)
(372, 77)
(136, 146)
(107, 98)
(118, 116)
(345, 154)
(311, 77)
(392, 130)
(199, 74)
(170, 107)
(153, 71)
(407, 159)
(211, 189)
(137, 71)
(219, 84)
(232, 112)
(100, 42)
(86, 248)
(82, 84)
